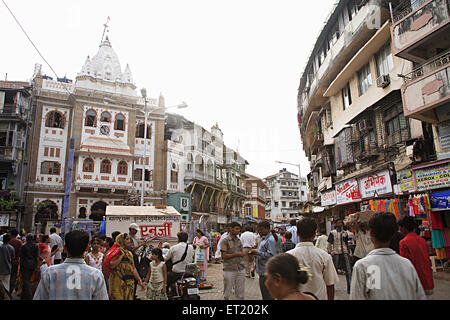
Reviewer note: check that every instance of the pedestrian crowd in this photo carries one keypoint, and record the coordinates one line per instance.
(387, 260)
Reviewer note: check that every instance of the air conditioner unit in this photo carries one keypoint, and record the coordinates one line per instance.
(383, 81)
(410, 151)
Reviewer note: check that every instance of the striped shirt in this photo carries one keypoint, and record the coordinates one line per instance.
(72, 280)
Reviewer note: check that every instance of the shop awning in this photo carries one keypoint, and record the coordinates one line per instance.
(252, 219)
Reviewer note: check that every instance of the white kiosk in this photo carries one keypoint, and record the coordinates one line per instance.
(158, 223)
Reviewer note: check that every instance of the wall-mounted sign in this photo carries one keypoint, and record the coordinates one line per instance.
(347, 192)
(433, 177)
(328, 198)
(375, 184)
(405, 180)
(440, 200)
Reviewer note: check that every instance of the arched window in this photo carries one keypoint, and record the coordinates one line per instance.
(122, 168)
(50, 167)
(105, 116)
(88, 165)
(120, 122)
(140, 131)
(55, 120)
(174, 173)
(91, 118)
(105, 167)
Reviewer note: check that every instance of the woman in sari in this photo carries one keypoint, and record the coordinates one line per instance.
(123, 273)
(201, 246)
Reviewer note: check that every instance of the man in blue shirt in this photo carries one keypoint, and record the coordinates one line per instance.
(73, 279)
(267, 249)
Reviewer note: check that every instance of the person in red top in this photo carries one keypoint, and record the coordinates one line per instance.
(17, 245)
(414, 248)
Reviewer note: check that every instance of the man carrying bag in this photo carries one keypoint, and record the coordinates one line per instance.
(177, 258)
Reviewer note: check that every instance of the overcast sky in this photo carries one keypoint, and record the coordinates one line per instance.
(235, 62)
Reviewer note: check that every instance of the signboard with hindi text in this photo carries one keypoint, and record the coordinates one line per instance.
(152, 221)
(375, 184)
(435, 177)
(347, 192)
(328, 198)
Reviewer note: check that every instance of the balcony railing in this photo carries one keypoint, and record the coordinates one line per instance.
(404, 8)
(428, 67)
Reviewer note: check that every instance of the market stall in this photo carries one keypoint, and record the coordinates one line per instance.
(155, 223)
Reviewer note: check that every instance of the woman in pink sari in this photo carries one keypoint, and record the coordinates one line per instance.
(201, 243)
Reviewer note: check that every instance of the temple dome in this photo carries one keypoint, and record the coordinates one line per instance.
(105, 65)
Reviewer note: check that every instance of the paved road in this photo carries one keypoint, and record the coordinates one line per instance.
(252, 292)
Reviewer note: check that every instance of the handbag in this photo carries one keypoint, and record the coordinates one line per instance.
(170, 264)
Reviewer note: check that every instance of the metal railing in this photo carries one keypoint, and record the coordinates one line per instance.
(404, 8)
(428, 67)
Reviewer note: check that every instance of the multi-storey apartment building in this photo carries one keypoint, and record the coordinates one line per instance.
(92, 129)
(420, 35)
(286, 195)
(357, 132)
(201, 164)
(15, 104)
(255, 205)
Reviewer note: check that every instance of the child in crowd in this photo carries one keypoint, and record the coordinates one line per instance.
(157, 274)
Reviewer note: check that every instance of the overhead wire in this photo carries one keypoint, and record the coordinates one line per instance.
(76, 103)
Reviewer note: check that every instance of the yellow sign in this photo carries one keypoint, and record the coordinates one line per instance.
(255, 212)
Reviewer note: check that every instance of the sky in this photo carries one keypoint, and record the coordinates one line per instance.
(237, 63)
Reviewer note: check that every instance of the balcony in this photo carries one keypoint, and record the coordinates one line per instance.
(12, 111)
(351, 39)
(426, 88)
(420, 28)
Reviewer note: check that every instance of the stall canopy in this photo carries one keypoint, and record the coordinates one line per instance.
(252, 219)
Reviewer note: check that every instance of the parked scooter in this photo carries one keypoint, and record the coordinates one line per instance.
(185, 288)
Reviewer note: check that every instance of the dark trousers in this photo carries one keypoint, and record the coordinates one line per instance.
(12, 282)
(27, 293)
(343, 261)
(262, 286)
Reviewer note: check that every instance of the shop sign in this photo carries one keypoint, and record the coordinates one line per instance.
(328, 198)
(375, 184)
(440, 200)
(222, 219)
(4, 219)
(405, 180)
(433, 177)
(347, 192)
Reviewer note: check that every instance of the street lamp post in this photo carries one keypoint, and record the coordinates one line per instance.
(144, 95)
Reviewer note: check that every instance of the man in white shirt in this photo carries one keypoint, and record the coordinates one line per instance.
(293, 229)
(176, 254)
(218, 254)
(322, 241)
(383, 274)
(248, 240)
(55, 239)
(318, 262)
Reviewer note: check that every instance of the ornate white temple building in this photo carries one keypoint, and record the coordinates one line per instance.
(102, 114)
